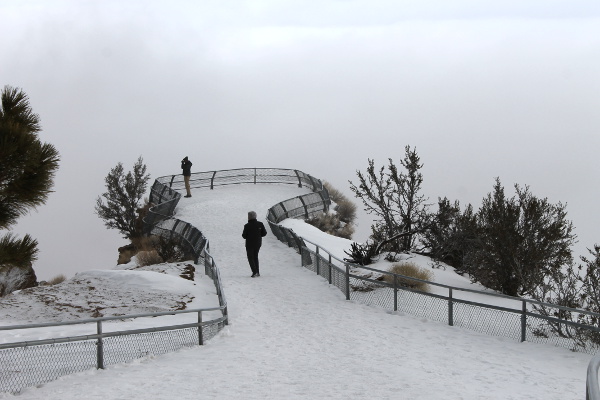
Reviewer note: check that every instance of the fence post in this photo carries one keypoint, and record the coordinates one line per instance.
(324, 201)
(172, 179)
(177, 221)
(299, 179)
(347, 282)
(255, 176)
(200, 336)
(285, 212)
(304, 205)
(212, 180)
(450, 308)
(318, 261)
(100, 347)
(395, 292)
(330, 269)
(524, 322)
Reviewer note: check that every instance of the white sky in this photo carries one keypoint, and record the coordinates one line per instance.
(481, 89)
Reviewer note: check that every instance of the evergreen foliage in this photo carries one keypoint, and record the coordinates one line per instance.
(17, 252)
(27, 166)
(450, 233)
(520, 241)
(362, 254)
(119, 205)
(575, 288)
(27, 169)
(393, 197)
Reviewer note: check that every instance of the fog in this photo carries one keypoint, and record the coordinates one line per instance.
(481, 90)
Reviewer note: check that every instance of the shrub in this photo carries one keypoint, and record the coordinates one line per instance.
(119, 206)
(163, 249)
(346, 211)
(56, 280)
(148, 257)
(410, 270)
(168, 249)
(339, 223)
(362, 254)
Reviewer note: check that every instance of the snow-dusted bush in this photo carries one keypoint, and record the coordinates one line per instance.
(148, 257)
(340, 222)
(410, 270)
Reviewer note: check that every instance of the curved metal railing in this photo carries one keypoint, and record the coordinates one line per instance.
(34, 362)
(592, 389)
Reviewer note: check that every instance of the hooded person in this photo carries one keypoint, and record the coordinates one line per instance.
(253, 232)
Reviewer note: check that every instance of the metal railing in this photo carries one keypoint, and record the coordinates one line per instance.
(210, 179)
(38, 361)
(506, 316)
(391, 292)
(592, 391)
(34, 362)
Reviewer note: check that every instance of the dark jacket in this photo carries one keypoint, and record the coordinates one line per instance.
(253, 233)
(186, 166)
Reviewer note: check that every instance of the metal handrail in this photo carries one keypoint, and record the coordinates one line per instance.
(454, 288)
(592, 388)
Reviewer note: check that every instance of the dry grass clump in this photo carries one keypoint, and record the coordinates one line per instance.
(56, 280)
(148, 257)
(341, 222)
(144, 243)
(154, 249)
(411, 270)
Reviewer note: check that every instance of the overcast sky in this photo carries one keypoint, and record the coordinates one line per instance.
(482, 89)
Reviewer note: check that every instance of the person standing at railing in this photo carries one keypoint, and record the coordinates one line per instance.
(253, 232)
(186, 166)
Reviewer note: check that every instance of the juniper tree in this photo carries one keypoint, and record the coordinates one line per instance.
(27, 169)
(393, 197)
(450, 234)
(521, 240)
(119, 205)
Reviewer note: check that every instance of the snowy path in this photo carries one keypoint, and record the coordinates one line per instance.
(292, 336)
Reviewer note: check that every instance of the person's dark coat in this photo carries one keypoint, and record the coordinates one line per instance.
(186, 166)
(253, 232)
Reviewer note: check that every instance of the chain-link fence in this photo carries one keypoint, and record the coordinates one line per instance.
(515, 318)
(38, 361)
(35, 362)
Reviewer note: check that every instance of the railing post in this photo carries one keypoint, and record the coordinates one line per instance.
(330, 269)
(285, 212)
(318, 262)
(324, 201)
(304, 205)
(299, 179)
(395, 292)
(255, 176)
(450, 308)
(212, 180)
(524, 322)
(200, 336)
(172, 179)
(99, 347)
(347, 282)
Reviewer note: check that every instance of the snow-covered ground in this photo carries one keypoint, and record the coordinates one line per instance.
(293, 336)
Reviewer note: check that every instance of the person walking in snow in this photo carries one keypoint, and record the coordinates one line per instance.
(253, 232)
(186, 166)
